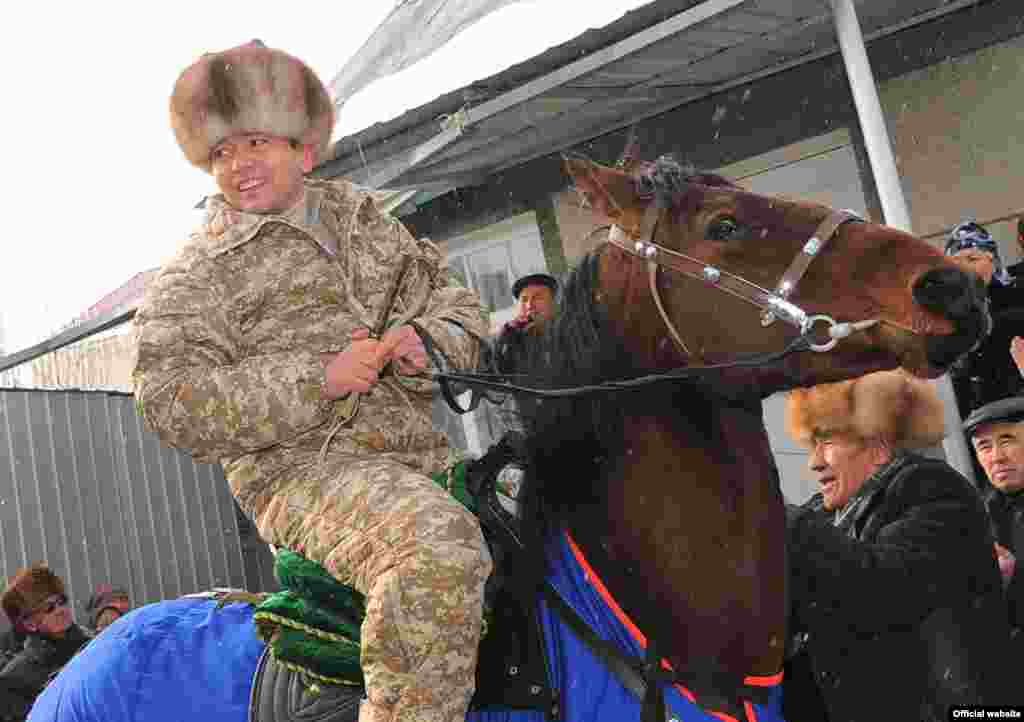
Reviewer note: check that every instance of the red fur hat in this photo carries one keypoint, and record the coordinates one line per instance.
(893, 405)
(249, 89)
(28, 589)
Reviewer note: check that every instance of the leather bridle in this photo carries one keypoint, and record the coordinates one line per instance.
(774, 304)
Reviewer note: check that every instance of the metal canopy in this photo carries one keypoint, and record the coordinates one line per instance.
(700, 49)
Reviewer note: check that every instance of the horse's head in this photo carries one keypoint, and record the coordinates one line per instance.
(717, 249)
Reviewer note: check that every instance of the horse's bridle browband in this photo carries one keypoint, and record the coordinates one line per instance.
(774, 304)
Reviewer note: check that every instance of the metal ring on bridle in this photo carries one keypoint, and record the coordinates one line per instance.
(807, 327)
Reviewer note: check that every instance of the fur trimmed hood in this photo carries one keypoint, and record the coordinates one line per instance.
(902, 409)
(249, 89)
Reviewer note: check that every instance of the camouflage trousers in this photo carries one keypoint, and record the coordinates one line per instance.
(420, 559)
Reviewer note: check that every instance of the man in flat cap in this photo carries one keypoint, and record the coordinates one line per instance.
(286, 341)
(535, 297)
(996, 431)
(535, 304)
(897, 605)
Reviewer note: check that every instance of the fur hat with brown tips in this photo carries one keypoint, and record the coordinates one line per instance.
(249, 89)
(27, 590)
(902, 409)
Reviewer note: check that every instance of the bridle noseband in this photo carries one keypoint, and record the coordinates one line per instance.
(774, 304)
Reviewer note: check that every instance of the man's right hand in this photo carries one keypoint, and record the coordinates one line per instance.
(357, 368)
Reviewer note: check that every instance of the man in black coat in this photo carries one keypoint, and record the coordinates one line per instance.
(535, 304)
(897, 604)
(36, 604)
(996, 432)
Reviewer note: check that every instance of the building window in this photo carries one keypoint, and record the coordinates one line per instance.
(491, 259)
(489, 272)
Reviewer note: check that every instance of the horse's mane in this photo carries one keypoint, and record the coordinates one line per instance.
(569, 440)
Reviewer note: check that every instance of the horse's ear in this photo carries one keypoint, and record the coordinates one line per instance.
(629, 161)
(606, 191)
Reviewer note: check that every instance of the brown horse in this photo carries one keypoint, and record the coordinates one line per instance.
(671, 491)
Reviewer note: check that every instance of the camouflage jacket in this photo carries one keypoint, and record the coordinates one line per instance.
(230, 334)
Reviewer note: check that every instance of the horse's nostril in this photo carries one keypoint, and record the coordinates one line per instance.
(949, 292)
(960, 297)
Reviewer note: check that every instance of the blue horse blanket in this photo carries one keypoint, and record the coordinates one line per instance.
(589, 692)
(165, 662)
(186, 659)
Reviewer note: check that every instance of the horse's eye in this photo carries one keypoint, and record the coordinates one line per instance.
(723, 229)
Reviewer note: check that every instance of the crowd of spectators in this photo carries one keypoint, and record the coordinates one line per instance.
(43, 634)
(904, 582)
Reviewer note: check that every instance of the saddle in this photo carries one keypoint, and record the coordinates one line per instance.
(511, 669)
(281, 694)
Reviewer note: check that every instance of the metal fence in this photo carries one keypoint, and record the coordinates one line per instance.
(85, 488)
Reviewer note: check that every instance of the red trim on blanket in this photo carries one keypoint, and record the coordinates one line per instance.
(765, 681)
(595, 581)
(749, 709)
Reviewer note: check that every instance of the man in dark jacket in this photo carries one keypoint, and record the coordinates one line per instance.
(996, 432)
(35, 603)
(896, 597)
(990, 372)
(535, 304)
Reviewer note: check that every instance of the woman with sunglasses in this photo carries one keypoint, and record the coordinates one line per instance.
(36, 604)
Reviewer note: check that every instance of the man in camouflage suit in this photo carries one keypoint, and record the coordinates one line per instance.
(281, 343)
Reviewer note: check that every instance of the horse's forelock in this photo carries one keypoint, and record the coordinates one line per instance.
(666, 178)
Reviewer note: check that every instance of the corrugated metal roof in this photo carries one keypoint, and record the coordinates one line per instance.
(655, 58)
(85, 488)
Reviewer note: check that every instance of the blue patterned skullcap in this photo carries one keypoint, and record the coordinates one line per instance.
(972, 235)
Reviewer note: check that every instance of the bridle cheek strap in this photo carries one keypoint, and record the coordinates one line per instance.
(652, 275)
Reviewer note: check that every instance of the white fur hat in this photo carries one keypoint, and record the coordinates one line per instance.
(249, 89)
(893, 405)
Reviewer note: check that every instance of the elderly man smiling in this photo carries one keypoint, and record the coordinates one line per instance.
(896, 598)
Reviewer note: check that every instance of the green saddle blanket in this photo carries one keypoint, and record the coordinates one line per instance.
(312, 625)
